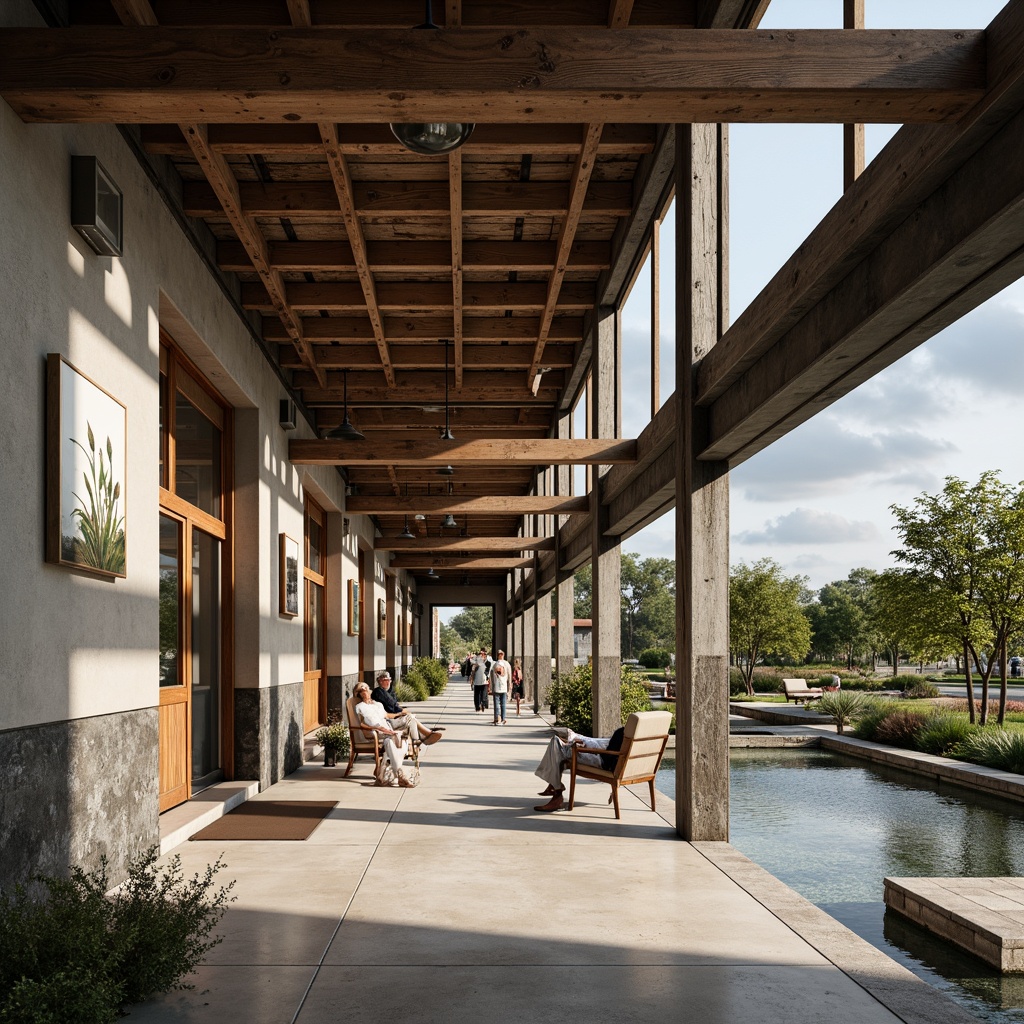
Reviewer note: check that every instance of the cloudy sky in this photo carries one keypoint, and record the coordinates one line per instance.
(818, 500)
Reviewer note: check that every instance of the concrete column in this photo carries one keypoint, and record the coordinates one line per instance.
(605, 551)
(563, 629)
(702, 493)
(542, 647)
(529, 646)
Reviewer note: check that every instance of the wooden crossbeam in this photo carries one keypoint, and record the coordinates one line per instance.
(424, 357)
(489, 505)
(578, 184)
(342, 179)
(218, 74)
(418, 257)
(337, 329)
(440, 563)
(455, 203)
(410, 199)
(408, 393)
(430, 296)
(508, 140)
(465, 544)
(431, 452)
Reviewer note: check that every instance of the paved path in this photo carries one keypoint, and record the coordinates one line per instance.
(455, 902)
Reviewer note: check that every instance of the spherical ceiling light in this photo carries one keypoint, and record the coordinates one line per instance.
(433, 138)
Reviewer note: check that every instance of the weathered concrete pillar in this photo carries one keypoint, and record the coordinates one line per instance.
(564, 590)
(529, 646)
(702, 493)
(542, 648)
(605, 551)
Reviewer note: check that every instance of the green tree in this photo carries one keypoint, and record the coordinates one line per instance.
(582, 584)
(642, 583)
(841, 625)
(475, 625)
(765, 616)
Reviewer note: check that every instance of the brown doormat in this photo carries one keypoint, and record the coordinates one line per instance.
(269, 819)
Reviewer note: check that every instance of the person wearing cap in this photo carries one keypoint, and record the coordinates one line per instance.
(400, 719)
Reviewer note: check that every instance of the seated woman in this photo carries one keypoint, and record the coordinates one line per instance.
(556, 759)
(373, 716)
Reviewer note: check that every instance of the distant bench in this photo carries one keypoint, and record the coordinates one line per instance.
(799, 692)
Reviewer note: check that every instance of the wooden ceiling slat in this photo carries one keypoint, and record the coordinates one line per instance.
(237, 74)
(428, 561)
(455, 186)
(467, 544)
(350, 330)
(485, 505)
(431, 357)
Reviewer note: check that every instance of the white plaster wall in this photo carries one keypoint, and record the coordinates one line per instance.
(74, 645)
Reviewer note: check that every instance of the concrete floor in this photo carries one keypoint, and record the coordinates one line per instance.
(455, 902)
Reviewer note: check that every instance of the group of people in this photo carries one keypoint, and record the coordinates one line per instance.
(380, 711)
(497, 679)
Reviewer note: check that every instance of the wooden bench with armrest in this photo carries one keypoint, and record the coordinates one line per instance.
(643, 744)
(799, 692)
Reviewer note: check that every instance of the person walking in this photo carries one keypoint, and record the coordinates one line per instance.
(480, 670)
(518, 690)
(499, 681)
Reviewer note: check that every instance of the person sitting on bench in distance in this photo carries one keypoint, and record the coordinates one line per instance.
(402, 720)
(556, 759)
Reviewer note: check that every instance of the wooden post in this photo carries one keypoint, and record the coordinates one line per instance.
(655, 317)
(853, 134)
(605, 551)
(702, 493)
(566, 596)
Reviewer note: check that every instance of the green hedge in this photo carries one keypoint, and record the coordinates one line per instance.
(656, 657)
(571, 694)
(434, 674)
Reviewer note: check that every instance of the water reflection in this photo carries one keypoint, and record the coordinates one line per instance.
(834, 827)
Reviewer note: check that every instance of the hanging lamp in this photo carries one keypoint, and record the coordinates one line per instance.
(448, 523)
(345, 431)
(407, 534)
(446, 434)
(433, 137)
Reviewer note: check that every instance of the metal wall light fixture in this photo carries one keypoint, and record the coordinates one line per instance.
(345, 431)
(433, 137)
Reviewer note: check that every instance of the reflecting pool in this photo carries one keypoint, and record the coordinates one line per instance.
(832, 827)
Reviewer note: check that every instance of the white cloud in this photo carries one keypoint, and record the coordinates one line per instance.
(810, 526)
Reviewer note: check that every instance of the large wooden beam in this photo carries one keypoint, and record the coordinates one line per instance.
(470, 544)
(432, 452)
(445, 562)
(215, 74)
(355, 330)
(490, 505)
(425, 357)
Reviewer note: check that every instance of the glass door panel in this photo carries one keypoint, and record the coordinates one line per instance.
(170, 602)
(206, 658)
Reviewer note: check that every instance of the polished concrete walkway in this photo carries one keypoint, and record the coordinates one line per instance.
(455, 902)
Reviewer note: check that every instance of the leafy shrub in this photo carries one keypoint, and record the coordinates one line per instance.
(900, 728)
(434, 674)
(941, 733)
(876, 711)
(994, 748)
(404, 693)
(656, 657)
(842, 706)
(1013, 707)
(863, 683)
(571, 694)
(69, 952)
(918, 688)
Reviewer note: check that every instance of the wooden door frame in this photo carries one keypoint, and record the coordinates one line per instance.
(313, 509)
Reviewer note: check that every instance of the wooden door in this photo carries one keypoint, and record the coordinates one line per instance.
(314, 686)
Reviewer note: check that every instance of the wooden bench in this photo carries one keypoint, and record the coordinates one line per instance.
(799, 692)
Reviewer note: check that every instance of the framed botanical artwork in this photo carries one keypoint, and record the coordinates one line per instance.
(382, 619)
(86, 472)
(288, 575)
(353, 608)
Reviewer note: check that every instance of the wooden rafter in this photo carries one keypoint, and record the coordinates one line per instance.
(643, 75)
(466, 544)
(455, 202)
(619, 12)
(298, 11)
(582, 171)
(427, 561)
(431, 357)
(353, 330)
(432, 452)
(489, 505)
(223, 182)
(134, 12)
(342, 178)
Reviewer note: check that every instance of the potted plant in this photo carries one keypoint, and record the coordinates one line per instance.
(333, 737)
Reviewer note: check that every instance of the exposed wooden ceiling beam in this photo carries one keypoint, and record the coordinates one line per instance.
(441, 562)
(424, 357)
(214, 74)
(455, 205)
(578, 184)
(431, 452)
(507, 140)
(428, 297)
(411, 394)
(223, 182)
(468, 544)
(730, 13)
(298, 12)
(619, 12)
(412, 257)
(489, 505)
(134, 12)
(342, 178)
(410, 199)
(352, 330)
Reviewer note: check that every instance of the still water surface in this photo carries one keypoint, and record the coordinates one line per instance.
(833, 827)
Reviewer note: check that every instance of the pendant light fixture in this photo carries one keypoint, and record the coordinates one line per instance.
(432, 138)
(431, 575)
(448, 523)
(446, 434)
(345, 431)
(406, 534)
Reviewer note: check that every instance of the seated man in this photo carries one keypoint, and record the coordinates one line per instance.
(402, 720)
(556, 760)
(373, 716)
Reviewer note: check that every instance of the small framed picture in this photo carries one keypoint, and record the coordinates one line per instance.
(289, 576)
(353, 608)
(87, 472)
(382, 618)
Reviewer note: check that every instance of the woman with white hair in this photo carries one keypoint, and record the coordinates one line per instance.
(373, 716)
